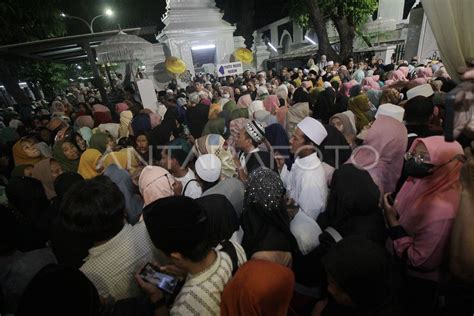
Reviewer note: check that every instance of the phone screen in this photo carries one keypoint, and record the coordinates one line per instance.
(166, 282)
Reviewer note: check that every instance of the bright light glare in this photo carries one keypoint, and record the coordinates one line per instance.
(109, 12)
(310, 40)
(63, 15)
(272, 47)
(200, 47)
(79, 67)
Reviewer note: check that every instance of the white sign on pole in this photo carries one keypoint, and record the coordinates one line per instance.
(147, 94)
(229, 69)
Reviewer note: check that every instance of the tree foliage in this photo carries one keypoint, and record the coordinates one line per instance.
(27, 20)
(346, 15)
(356, 11)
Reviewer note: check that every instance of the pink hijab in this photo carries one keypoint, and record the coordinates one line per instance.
(100, 108)
(405, 70)
(271, 103)
(436, 196)
(425, 205)
(120, 107)
(369, 83)
(398, 75)
(424, 72)
(235, 126)
(244, 101)
(386, 140)
(155, 183)
(85, 121)
(346, 87)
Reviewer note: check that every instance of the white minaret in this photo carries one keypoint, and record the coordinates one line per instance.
(195, 24)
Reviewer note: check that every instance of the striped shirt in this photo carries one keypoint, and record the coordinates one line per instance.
(201, 293)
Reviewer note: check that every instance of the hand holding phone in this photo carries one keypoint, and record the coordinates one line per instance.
(166, 282)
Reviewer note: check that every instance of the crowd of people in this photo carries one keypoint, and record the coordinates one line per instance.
(322, 190)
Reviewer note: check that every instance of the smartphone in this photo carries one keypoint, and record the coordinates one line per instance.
(163, 281)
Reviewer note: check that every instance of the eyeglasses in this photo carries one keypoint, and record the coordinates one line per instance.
(419, 158)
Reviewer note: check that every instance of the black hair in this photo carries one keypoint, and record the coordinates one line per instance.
(93, 208)
(178, 154)
(178, 224)
(313, 72)
(335, 84)
(419, 110)
(300, 96)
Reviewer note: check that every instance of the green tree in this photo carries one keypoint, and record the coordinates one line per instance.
(21, 21)
(346, 15)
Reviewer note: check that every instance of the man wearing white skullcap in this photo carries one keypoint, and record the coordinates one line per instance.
(306, 182)
(208, 168)
(391, 110)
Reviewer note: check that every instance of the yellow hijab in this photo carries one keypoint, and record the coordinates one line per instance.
(88, 164)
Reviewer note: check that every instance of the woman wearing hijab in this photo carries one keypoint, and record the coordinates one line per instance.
(278, 139)
(355, 90)
(298, 111)
(89, 164)
(67, 154)
(346, 87)
(84, 121)
(375, 97)
(215, 124)
(101, 114)
(359, 105)
(126, 118)
(265, 220)
(101, 142)
(197, 117)
(271, 104)
(244, 101)
(25, 152)
(383, 151)
(28, 205)
(155, 183)
(78, 141)
(324, 107)
(141, 123)
(47, 171)
(221, 217)
(362, 285)
(422, 217)
(335, 151)
(216, 145)
(133, 200)
(259, 288)
(235, 126)
(86, 134)
(342, 122)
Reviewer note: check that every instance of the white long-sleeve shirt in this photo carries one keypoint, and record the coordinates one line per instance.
(307, 185)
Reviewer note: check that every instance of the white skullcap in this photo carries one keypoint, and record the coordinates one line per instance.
(208, 167)
(169, 91)
(313, 129)
(255, 106)
(392, 110)
(262, 90)
(327, 84)
(256, 131)
(330, 63)
(424, 90)
(243, 88)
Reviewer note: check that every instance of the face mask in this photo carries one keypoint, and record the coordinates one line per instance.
(226, 96)
(417, 170)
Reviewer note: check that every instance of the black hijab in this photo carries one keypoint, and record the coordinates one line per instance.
(265, 221)
(324, 106)
(353, 205)
(197, 119)
(335, 138)
(221, 217)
